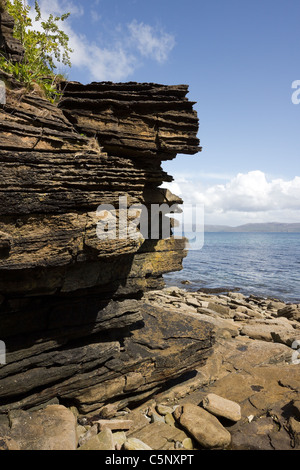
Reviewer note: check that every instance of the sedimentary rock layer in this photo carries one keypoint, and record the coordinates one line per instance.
(72, 315)
(134, 119)
(53, 179)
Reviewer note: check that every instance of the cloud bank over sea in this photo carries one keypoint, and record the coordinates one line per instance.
(245, 197)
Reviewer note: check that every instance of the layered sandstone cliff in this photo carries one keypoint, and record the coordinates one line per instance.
(72, 313)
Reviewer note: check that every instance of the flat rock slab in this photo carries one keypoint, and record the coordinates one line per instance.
(219, 324)
(52, 428)
(160, 436)
(265, 332)
(114, 424)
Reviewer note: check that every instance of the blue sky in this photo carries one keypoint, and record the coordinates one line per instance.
(239, 59)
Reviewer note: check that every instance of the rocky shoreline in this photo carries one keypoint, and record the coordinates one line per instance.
(246, 396)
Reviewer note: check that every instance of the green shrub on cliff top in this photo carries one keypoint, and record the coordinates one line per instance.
(43, 48)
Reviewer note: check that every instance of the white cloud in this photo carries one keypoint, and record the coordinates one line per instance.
(95, 16)
(247, 197)
(151, 42)
(58, 7)
(120, 56)
(114, 64)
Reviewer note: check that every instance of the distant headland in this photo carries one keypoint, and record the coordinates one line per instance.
(259, 227)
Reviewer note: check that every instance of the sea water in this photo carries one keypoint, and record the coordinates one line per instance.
(261, 264)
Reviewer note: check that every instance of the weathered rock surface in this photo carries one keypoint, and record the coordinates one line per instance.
(72, 316)
(219, 406)
(136, 444)
(259, 373)
(160, 436)
(143, 120)
(102, 441)
(246, 396)
(53, 428)
(147, 361)
(203, 426)
(292, 312)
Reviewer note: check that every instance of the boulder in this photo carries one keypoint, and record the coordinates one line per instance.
(204, 427)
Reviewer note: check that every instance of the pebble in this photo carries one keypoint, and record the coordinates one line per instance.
(188, 444)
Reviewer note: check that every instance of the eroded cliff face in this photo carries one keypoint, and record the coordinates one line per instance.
(72, 313)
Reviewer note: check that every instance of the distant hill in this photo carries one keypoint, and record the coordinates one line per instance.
(268, 227)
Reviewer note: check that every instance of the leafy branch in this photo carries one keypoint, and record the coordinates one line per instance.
(44, 48)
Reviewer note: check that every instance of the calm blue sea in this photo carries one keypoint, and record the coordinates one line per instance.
(262, 264)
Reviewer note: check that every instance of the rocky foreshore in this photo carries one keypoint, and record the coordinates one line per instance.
(246, 396)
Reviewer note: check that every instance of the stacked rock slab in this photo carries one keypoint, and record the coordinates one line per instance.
(72, 314)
